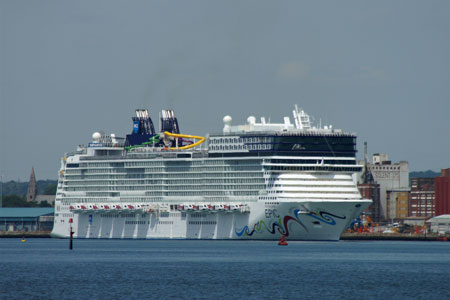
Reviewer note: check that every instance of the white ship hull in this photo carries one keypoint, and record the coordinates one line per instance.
(255, 181)
(318, 220)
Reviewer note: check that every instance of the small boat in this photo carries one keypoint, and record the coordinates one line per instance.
(23, 240)
(282, 241)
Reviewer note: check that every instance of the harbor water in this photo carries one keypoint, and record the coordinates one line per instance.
(188, 269)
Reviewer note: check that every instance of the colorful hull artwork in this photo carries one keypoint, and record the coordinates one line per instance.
(281, 224)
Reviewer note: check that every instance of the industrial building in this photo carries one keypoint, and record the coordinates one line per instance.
(421, 202)
(397, 202)
(442, 193)
(390, 177)
(26, 218)
(440, 224)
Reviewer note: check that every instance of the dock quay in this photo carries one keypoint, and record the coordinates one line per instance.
(365, 236)
(346, 236)
(25, 234)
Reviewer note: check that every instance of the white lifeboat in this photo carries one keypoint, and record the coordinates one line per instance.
(219, 207)
(203, 207)
(138, 207)
(235, 207)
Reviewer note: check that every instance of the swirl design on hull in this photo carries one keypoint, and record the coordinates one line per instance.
(281, 225)
(325, 217)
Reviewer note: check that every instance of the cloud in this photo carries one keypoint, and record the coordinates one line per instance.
(293, 70)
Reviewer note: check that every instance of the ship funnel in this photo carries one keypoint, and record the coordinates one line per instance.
(142, 123)
(168, 121)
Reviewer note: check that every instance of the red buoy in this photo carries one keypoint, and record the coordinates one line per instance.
(282, 241)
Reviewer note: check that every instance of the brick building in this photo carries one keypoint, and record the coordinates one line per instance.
(421, 202)
(442, 193)
(371, 191)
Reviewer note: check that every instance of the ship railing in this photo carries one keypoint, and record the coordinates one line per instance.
(312, 132)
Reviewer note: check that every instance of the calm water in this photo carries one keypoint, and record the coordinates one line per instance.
(117, 269)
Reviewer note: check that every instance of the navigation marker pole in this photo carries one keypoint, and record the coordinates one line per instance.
(71, 234)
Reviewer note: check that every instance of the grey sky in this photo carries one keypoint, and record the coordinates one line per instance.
(69, 68)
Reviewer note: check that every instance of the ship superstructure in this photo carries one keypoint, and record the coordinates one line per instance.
(253, 181)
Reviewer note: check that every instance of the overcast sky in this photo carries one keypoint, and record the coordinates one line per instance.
(380, 69)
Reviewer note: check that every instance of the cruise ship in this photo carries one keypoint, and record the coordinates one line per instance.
(259, 180)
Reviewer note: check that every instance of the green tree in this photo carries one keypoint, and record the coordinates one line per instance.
(50, 189)
(44, 204)
(14, 201)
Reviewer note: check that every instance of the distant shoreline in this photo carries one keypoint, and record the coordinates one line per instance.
(26, 234)
(344, 237)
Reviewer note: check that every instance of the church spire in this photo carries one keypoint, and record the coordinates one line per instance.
(32, 187)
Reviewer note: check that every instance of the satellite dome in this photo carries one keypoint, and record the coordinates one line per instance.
(251, 120)
(227, 120)
(96, 136)
(227, 123)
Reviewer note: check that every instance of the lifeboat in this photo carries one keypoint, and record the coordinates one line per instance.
(138, 207)
(235, 207)
(116, 207)
(124, 206)
(219, 207)
(203, 207)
